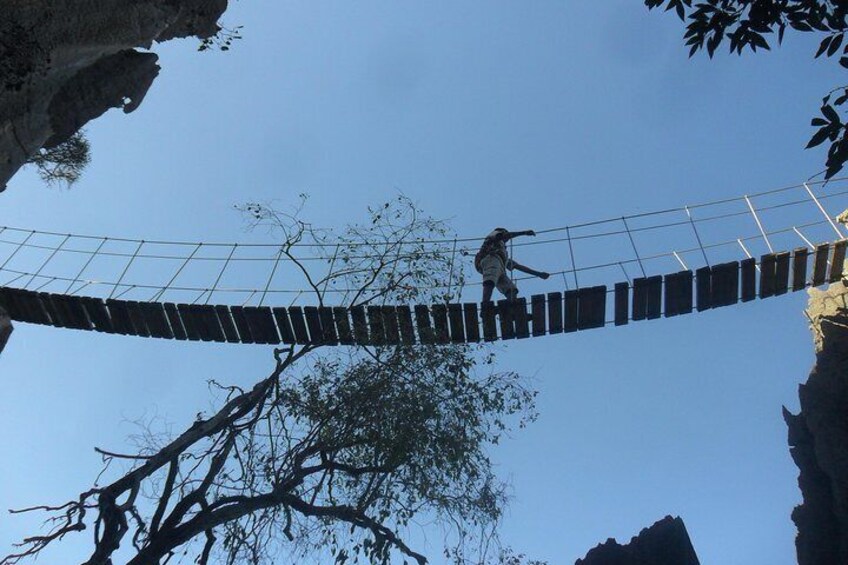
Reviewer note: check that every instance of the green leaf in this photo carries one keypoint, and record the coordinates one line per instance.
(819, 138)
(834, 45)
(831, 114)
(823, 46)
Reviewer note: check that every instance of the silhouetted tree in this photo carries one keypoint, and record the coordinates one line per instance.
(753, 24)
(339, 451)
(64, 162)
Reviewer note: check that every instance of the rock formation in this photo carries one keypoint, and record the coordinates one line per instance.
(818, 435)
(65, 62)
(665, 543)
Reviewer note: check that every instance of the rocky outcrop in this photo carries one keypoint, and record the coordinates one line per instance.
(818, 435)
(65, 62)
(665, 543)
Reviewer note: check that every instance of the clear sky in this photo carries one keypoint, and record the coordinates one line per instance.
(525, 115)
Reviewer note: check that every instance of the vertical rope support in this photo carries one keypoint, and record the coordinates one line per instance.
(824, 212)
(745, 249)
(807, 241)
(44, 264)
(450, 273)
(759, 225)
(571, 256)
(15, 252)
(270, 278)
(680, 260)
(633, 244)
(84, 267)
(127, 268)
(697, 235)
(161, 291)
(221, 274)
(623, 270)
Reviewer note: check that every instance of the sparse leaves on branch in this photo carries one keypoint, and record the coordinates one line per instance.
(65, 162)
(758, 24)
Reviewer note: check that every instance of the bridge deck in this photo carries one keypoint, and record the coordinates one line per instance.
(556, 312)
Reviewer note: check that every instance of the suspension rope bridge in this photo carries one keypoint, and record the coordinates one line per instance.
(612, 272)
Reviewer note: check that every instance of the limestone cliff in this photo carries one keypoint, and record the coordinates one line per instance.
(665, 543)
(65, 62)
(818, 435)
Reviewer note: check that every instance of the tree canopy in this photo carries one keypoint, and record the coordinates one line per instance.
(759, 24)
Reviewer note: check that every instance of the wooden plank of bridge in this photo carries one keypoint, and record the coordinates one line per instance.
(799, 268)
(343, 327)
(210, 319)
(537, 310)
(407, 328)
(313, 322)
(202, 322)
(640, 299)
(671, 306)
(426, 334)
(120, 317)
(328, 324)
(301, 336)
(703, 288)
(227, 324)
(678, 293)
(838, 262)
(26, 306)
(157, 322)
(572, 309)
(456, 322)
(261, 322)
(281, 316)
(820, 264)
(555, 312)
(375, 324)
(36, 307)
(725, 284)
(98, 314)
(621, 315)
(519, 315)
(77, 318)
(748, 268)
(472, 322)
(768, 272)
(175, 321)
(592, 307)
(505, 319)
(135, 310)
(781, 272)
(240, 320)
(489, 316)
(685, 300)
(391, 326)
(440, 322)
(57, 315)
(189, 323)
(653, 306)
(360, 325)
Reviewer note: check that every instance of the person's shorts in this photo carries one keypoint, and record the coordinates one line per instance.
(493, 270)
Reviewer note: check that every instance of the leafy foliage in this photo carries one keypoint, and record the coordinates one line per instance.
(65, 162)
(750, 23)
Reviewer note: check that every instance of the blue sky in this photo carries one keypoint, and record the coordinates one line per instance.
(529, 116)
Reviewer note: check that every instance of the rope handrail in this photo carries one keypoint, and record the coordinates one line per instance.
(449, 240)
